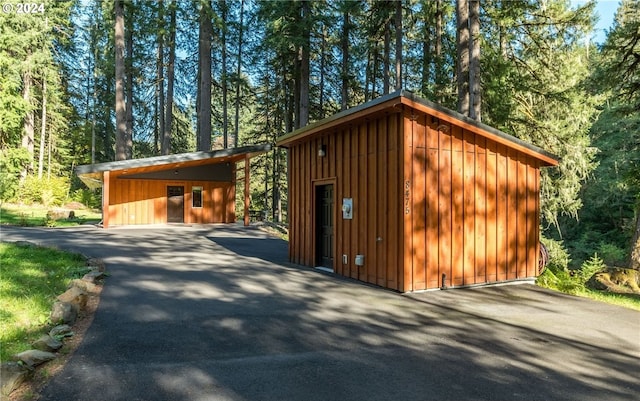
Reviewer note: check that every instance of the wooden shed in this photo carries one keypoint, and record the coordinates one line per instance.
(405, 194)
(191, 188)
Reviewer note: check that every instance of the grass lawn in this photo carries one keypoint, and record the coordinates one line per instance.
(31, 216)
(32, 277)
(576, 285)
(631, 301)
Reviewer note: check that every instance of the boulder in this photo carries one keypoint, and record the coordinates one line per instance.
(84, 285)
(61, 331)
(59, 214)
(96, 264)
(93, 276)
(47, 343)
(616, 280)
(63, 312)
(12, 374)
(34, 357)
(74, 296)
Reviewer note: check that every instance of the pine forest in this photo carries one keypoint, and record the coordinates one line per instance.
(89, 81)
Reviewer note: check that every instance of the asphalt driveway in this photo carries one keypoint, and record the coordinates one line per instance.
(215, 313)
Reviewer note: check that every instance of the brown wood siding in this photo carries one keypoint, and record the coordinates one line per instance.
(361, 162)
(429, 199)
(138, 201)
(474, 207)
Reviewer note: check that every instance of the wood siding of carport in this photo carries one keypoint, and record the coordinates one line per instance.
(474, 207)
(363, 161)
(140, 201)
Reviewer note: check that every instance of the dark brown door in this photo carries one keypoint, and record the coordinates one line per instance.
(324, 226)
(175, 204)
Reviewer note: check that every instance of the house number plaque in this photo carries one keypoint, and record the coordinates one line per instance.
(407, 196)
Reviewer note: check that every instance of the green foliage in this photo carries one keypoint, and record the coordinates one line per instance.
(28, 289)
(631, 301)
(535, 64)
(556, 276)
(611, 194)
(560, 278)
(620, 69)
(592, 240)
(590, 267)
(559, 258)
(46, 191)
(12, 162)
(88, 197)
(611, 254)
(36, 215)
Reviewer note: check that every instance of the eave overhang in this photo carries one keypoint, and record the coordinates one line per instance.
(93, 174)
(395, 102)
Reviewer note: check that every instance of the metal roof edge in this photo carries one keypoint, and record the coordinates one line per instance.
(300, 132)
(546, 156)
(407, 97)
(168, 159)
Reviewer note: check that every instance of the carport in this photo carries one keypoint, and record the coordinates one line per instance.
(190, 188)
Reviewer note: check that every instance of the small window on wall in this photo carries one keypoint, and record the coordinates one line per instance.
(196, 196)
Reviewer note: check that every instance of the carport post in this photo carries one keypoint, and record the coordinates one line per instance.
(105, 198)
(247, 181)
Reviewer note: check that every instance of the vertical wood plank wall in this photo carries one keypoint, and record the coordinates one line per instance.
(362, 162)
(429, 198)
(139, 201)
(474, 207)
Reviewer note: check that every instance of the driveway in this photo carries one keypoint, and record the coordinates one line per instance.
(215, 313)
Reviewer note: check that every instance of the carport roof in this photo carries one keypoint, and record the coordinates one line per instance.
(93, 174)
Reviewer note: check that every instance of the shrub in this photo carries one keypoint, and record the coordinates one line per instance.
(12, 163)
(558, 256)
(557, 275)
(611, 254)
(47, 191)
(87, 197)
(590, 267)
(572, 281)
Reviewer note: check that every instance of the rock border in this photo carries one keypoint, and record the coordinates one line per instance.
(65, 312)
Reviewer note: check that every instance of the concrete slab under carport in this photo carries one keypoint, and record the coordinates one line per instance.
(186, 315)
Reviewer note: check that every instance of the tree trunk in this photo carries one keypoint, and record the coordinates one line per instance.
(323, 56)
(225, 114)
(129, 74)
(426, 64)
(305, 63)
(49, 156)
(204, 71)
(374, 71)
(398, 24)
(159, 131)
(94, 98)
(28, 136)
(386, 59)
(439, 70)
(367, 77)
(462, 71)
(121, 117)
(344, 44)
(238, 80)
(475, 87)
(168, 120)
(503, 41)
(634, 262)
(43, 128)
(427, 55)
